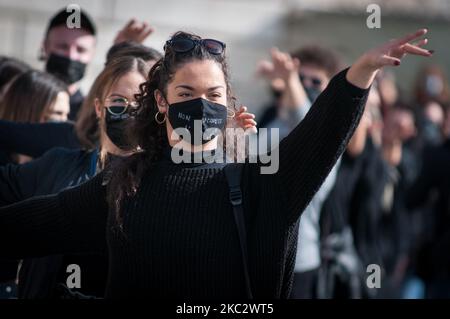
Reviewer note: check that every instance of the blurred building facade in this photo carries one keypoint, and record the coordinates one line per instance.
(249, 27)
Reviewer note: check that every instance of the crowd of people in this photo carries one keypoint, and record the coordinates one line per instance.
(363, 178)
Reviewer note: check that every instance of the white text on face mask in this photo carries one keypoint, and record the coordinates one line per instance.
(246, 147)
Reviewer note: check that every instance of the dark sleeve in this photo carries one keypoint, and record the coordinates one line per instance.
(20, 181)
(34, 139)
(309, 152)
(72, 221)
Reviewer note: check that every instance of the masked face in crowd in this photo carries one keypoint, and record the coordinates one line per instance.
(196, 100)
(314, 81)
(68, 52)
(116, 110)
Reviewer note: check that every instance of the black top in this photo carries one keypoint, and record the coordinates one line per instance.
(34, 139)
(433, 182)
(356, 199)
(179, 238)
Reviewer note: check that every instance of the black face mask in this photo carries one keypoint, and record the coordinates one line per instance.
(212, 116)
(115, 129)
(312, 93)
(65, 69)
(276, 94)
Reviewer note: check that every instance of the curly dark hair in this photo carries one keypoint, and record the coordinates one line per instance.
(149, 137)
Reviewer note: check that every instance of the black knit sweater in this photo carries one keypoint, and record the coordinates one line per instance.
(179, 238)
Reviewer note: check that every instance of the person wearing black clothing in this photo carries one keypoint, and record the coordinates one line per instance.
(355, 204)
(170, 232)
(434, 179)
(67, 52)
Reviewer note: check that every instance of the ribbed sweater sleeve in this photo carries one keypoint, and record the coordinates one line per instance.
(72, 221)
(309, 152)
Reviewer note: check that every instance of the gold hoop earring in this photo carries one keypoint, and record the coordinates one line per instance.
(233, 113)
(159, 121)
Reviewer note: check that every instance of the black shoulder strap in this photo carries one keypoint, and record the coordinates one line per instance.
(233, 174)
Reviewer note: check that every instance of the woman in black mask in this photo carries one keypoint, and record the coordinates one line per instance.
(169, 227)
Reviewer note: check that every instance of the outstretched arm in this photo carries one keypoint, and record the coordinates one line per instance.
(307, 155)
(73, 221)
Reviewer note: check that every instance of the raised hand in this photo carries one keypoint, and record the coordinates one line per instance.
(134, 31)
(363, 72)
(245, 120)
(282, 66)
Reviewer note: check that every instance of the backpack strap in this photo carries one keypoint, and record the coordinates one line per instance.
(233, 174)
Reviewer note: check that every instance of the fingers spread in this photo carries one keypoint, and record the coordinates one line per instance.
(409, 48)
(421, 42)
(409, 37)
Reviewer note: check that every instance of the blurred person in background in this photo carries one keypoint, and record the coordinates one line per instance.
(35, 97)
(398, 227)
(388, 90)
(432, 190)
(351, 214)
(10, 68)
(315, 66)
(68, 51)
(431, 92)
(303, 76)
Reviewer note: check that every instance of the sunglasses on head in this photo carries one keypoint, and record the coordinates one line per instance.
(119, 105)
(315, 81)
(182, 45)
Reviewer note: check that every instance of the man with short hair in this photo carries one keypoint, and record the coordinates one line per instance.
(67, 52)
